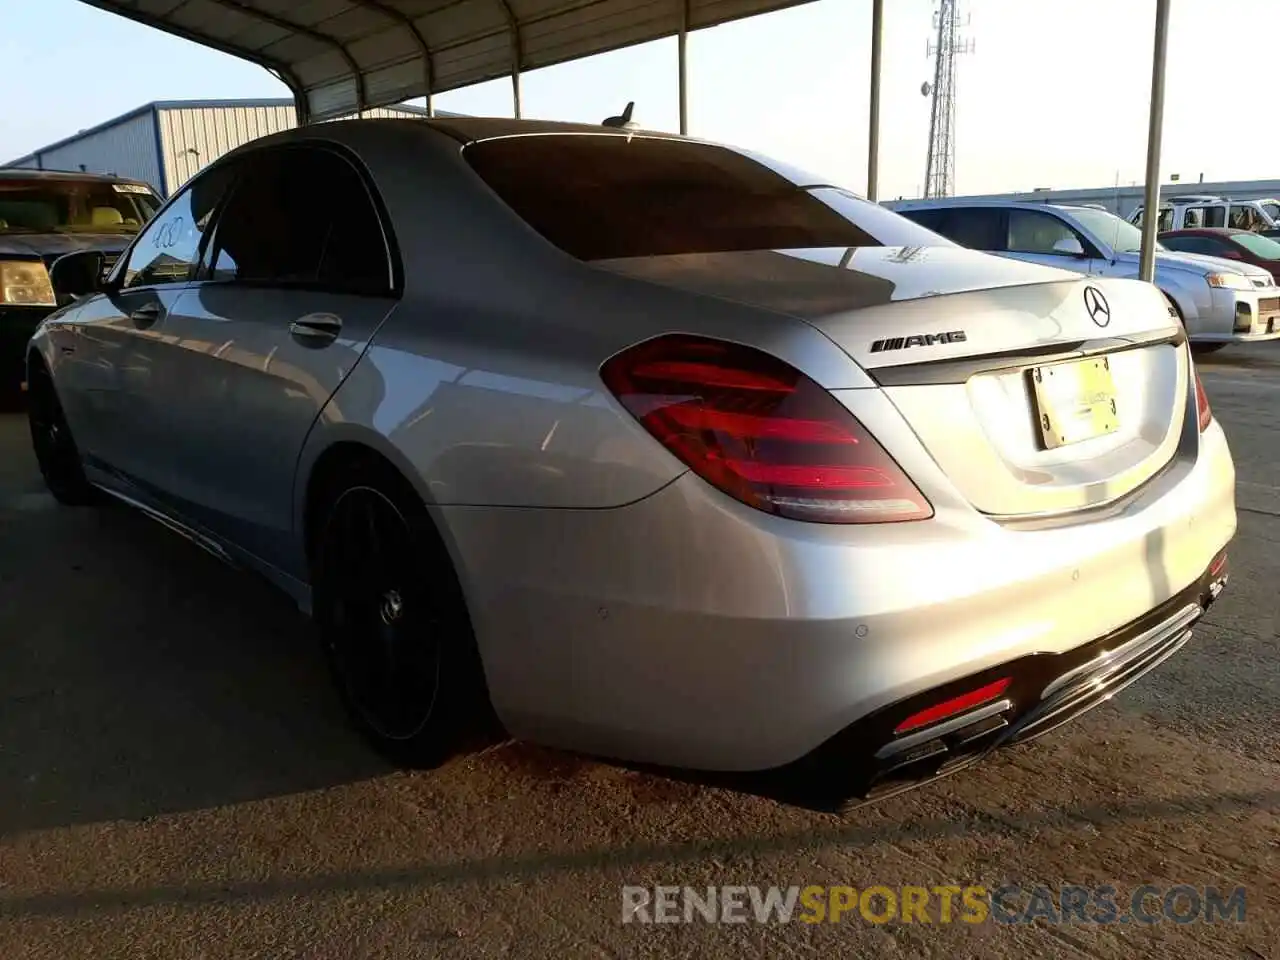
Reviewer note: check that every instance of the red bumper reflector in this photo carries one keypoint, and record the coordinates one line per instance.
(949, 708)
(1219, 564)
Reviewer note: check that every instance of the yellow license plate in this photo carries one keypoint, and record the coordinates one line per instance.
(1074, 401)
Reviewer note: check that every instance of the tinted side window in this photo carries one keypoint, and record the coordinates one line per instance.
(1187, 244)
(302, 215)
(1217, 247)
(929, 219)
(978, 228)
(1033, 232)
(1215, 217)
(168, 250)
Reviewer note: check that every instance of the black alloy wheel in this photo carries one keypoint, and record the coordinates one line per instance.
(394, 625)
(55, 448)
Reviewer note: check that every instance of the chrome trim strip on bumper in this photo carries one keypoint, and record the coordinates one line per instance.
(951, 725)
(1128, 651)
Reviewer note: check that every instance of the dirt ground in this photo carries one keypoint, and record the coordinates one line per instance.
(177, 780)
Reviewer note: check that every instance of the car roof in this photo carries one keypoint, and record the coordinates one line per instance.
(372, 132)
(465, 130)
(30, 173)
(472, 129)
(941, 202)
(1204, 231)
(946, 202)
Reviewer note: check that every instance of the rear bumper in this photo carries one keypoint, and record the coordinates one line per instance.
(1038, 694)
(17, 324)
(689, 630)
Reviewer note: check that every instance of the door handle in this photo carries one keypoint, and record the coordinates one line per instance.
(145, 315)
(316, 328)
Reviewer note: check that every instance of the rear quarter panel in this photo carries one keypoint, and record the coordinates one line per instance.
(485, 380)
(491, 395)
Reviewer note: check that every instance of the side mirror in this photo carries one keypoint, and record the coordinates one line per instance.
(77, 274)
(1068, 246)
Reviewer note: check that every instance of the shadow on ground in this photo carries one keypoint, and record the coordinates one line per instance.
(139, 676)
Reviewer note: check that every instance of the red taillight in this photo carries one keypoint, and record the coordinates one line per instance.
(761, 431)
(956, 705)
(1202, 404)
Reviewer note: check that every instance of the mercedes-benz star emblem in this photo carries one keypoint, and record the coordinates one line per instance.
(1096, 304)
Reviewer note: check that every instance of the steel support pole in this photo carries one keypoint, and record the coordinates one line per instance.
(1155, 131)
(873, 123)
(683, 56)
(517, 53)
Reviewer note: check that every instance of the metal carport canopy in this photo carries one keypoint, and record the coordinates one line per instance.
(342, 56)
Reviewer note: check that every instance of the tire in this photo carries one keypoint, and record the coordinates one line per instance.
(393, 621)
(54, 446)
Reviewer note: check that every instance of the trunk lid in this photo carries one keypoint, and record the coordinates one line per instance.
(974, 351)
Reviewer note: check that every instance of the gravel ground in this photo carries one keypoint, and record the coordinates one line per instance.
(177, 780)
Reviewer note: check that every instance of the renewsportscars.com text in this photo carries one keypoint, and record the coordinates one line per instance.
(1007, 904)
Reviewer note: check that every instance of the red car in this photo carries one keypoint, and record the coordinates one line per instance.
(1228, 243)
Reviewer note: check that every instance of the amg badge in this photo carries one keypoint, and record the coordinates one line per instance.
(919, 340)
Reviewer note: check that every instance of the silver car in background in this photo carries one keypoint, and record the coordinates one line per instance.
(655, 448)
(1219, 301)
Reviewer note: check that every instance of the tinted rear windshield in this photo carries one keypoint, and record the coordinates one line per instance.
(68, 206)
(605, 197)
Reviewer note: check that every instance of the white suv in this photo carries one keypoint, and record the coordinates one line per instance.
(1196, 212)
(1219, 301)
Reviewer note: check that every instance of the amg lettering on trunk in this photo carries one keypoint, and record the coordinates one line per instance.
(918, 340)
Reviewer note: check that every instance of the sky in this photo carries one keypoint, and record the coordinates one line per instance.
(1054, 93)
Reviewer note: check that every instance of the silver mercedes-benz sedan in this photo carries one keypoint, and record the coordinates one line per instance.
(653, 448)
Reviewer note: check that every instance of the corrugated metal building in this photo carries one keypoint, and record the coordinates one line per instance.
(167, 142)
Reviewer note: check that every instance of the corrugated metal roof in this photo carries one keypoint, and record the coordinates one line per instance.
(159, 105)
(340, 56)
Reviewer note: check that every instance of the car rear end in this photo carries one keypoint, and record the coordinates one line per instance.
(1092, 497)
(878, 580)
(939, 501)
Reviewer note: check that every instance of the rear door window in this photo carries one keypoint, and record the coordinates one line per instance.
(600, 197)
(302, 216)
(978, 228)
(929, 218)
